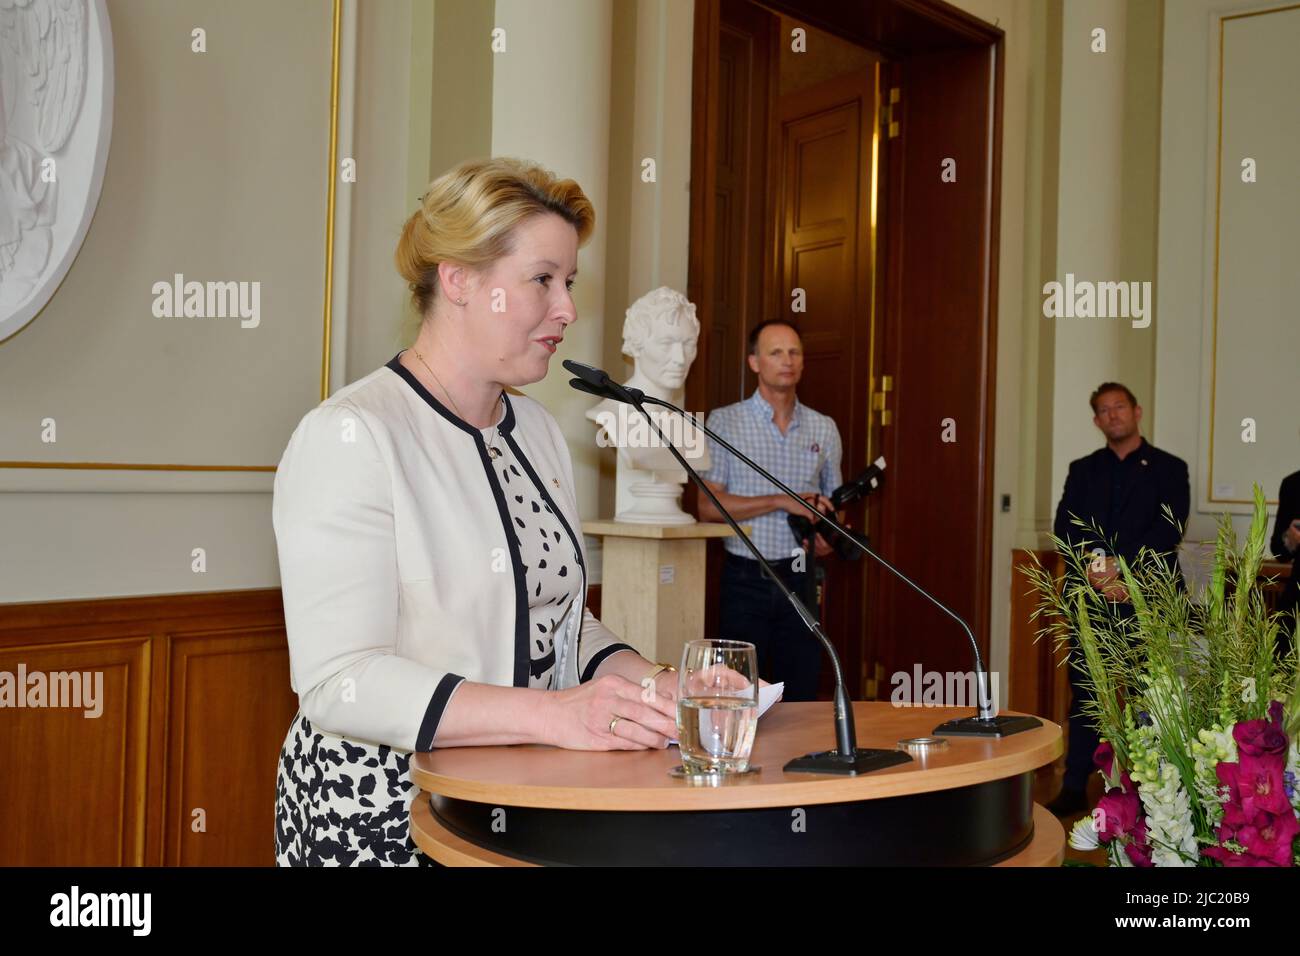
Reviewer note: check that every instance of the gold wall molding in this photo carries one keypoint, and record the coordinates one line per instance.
(336, 13)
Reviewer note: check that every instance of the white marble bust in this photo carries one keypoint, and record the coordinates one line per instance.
(660, 333)
(56, 110)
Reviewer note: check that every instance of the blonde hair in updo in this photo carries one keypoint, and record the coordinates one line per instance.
(469, 215)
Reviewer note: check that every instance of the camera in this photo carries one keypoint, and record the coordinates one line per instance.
(843, 496)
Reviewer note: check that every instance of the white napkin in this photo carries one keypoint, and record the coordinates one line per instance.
(768, 695)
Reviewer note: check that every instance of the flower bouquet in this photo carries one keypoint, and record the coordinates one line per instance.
(1197, 711)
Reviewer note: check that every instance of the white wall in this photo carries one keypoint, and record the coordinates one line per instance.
(1187, 203)
(547, 98)
(1096, 160)
(387, 148)
(661, 118)
(211, 176)
(1078, 171)
(1020, 80)
(648, 237)
(550, 104)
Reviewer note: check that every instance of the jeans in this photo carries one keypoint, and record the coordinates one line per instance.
(754, 610)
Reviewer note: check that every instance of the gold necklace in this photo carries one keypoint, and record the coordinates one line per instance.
(493, 451)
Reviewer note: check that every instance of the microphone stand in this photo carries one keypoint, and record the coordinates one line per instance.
(987, 722)
(847, 758)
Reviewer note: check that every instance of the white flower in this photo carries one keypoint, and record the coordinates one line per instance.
(1212, 747)
(1169, 819)
(1161, 692)
(1084, 835)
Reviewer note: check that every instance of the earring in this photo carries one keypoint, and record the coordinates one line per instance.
(460, 301)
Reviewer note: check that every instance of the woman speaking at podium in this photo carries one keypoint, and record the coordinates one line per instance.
(430, 551)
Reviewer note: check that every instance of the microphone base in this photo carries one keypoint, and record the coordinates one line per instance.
(832, 761)
(1004, 725)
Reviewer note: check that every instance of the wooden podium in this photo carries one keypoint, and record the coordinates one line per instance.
(969, 804)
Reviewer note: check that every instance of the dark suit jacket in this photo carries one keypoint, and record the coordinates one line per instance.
(1138, 519)
(1288, 509)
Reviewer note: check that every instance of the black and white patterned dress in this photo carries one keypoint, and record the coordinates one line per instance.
(346, 802)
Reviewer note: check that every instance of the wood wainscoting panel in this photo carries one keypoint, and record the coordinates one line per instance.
(72, 791)
(196, 702)
(228, 709)
(1040, 680)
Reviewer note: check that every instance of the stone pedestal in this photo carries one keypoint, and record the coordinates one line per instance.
(652, 583)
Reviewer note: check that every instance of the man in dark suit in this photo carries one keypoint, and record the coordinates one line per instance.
(1123, 489)
(1286, 545)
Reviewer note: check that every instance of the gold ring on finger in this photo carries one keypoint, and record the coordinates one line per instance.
(613, 722)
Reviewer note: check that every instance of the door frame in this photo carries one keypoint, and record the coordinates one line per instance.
(896, 30)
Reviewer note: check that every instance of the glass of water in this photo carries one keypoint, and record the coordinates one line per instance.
(717, 706)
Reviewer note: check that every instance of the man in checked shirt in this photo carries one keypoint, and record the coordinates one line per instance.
(802, 448)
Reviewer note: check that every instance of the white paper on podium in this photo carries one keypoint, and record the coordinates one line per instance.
(768, 694)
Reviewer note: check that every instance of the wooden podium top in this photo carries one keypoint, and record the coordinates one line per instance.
(638, 780)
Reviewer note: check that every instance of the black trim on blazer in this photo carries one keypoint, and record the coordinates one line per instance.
(599, 659)
(522, 653)
(433, 715)
(507, 423)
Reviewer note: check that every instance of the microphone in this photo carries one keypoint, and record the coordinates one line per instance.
(987, 722)
(847, 758)
(597, 382)
(584, 386)
(861, 486)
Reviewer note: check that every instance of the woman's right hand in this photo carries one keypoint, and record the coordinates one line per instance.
(579, 718)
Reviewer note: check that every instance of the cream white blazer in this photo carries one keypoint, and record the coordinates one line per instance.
(398, 564)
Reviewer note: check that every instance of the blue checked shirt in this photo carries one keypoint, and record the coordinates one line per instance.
(807, 458)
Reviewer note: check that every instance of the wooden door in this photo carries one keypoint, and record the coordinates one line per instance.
(744, 210)
(732, 212)
(935, 372)
(928, 356)
(823, 273)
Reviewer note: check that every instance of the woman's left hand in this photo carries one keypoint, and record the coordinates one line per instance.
(666, 685)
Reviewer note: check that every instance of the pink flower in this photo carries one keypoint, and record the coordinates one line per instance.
(1261, 786)
(1228, 858)
(1117, 815)
(1258, 814)
(1104, 757)
(1262, 738)
(1265, 837)
(1268, 838)
(1139, 848)
(1230, 776)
